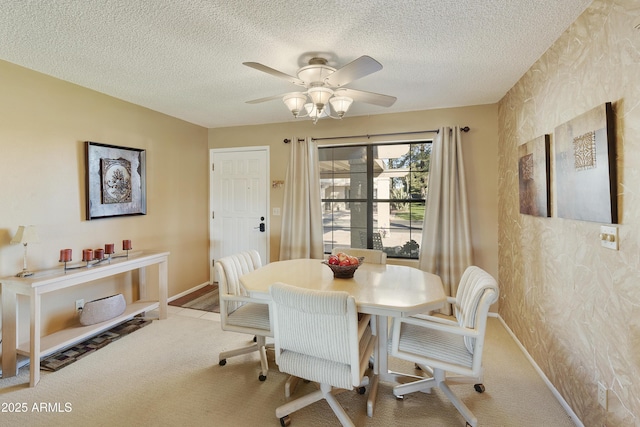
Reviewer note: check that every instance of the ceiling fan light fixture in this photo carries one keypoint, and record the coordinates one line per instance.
(295, 102)
(316, 72)
(320, 96)
(313, 113)
(340, 104)
(325, 94)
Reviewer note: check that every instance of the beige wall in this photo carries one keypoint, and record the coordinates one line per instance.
(479, 145)
(43, 125)
(573, 304)
(46, 121)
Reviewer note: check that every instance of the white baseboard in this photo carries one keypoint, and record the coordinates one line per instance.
(188, 291)
(572, 415)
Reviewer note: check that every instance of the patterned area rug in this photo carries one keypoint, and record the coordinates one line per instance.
(205, 299)
(59, 360)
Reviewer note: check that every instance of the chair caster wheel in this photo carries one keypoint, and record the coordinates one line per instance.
(255, 338)
(262, 377)
(401, 397)
(285, 421)
(222, 362)
(361, 390)
(479, 388)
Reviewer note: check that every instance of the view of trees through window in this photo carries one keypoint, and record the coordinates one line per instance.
(373, 196)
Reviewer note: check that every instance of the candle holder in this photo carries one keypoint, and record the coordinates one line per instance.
(87, 256)
(126, 246)
(93, 257)
(98, 257)
(65, 257)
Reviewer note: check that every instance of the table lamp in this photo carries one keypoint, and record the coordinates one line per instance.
(25, 235)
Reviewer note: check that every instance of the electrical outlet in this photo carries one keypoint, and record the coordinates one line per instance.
(602, 395)
(79, 304)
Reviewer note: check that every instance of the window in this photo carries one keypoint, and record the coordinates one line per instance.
(373, 196)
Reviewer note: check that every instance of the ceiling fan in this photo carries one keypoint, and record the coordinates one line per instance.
(325, 93)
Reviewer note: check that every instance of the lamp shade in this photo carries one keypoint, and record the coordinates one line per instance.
(340, 104)
(295, 102)
(26, 234)
(320, 96)
(312, 112)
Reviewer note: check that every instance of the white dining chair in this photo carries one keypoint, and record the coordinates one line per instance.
(238, 311)
(376, 237)
(371, 256)
(451, 351)
(318, 337)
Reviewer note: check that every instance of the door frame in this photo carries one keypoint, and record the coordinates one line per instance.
(266, 149)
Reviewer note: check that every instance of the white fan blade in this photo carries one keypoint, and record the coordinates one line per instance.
(268, 98)
(279, 74)
(367, 97)
(355, 69)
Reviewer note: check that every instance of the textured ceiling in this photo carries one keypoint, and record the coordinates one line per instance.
(184, 57)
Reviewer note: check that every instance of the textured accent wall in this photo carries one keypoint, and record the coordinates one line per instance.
(573, 304)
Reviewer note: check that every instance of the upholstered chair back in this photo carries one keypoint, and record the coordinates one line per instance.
(371, 256)
(229, 269)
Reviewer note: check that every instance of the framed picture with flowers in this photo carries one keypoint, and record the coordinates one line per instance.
(115, 180)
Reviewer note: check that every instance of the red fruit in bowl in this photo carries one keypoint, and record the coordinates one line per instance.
(353, 260)
(344, 262)
(333, 260)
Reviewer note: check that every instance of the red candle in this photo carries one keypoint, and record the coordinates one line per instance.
(65, 255)
(87, 254)
(126, 245)
(109, 248)
(98, 253)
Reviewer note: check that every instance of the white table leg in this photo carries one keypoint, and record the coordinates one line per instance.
(34, 335)
(385, 374)
(163, 283)
(142, 283)
(9, 332)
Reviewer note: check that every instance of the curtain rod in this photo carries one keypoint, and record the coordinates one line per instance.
(463, 129)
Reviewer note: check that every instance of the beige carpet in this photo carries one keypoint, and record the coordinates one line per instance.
(167, 374)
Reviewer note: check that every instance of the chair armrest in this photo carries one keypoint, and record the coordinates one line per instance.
(436, 319)
(240, 298)
(439, 326)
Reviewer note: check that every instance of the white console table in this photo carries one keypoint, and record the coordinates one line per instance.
(53, 280)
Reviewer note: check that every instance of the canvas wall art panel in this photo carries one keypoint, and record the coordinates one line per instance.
(585, 167)
(534, 177)
(116, 181)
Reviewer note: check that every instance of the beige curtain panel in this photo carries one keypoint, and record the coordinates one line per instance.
(301, 235)
(446, 237)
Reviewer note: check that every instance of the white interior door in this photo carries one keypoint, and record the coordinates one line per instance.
(239, 202)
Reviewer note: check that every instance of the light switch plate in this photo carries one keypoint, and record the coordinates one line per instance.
(609, 237)
(276, 211)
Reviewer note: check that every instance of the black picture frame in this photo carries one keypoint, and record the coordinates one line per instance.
(585, 167)
(534, 173)
(115, 181)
